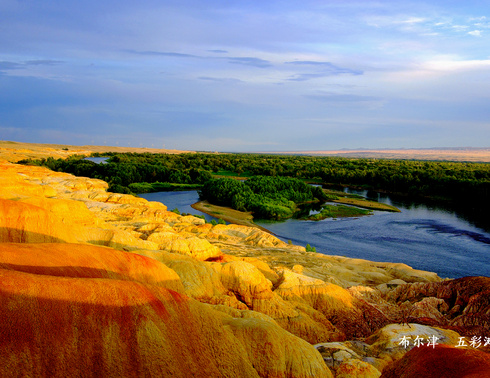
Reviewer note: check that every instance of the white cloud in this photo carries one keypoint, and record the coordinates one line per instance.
(456, 65)
(475, 33)
(394, 20)
(412, 20)
(459, 27)
(440, 72)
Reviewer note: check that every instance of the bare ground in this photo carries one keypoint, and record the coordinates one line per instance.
(15, 151)
(227, 214)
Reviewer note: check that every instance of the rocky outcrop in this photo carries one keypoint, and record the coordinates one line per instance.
(440, 362)
(160, 294)
(128, 313)
(461, 304)
(86, 261)
(370, 356)
(353, 316)
(393, 341)
(79, 310)
(25, 223)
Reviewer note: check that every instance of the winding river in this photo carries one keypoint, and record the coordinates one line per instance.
(422, 236)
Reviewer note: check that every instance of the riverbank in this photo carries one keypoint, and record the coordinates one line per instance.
(339, 211)
(227, 214)
(246, 218)
(213, 291)
(366, 204)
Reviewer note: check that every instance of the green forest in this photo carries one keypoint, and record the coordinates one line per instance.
(266, 196)
(137, 173)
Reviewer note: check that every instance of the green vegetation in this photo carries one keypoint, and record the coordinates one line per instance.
(231, 174)
(338, 211)
(364, 203)
(266, 197)
(331, 197)
(465, 183)
(147, 187)
(123, 171)
(309, 248)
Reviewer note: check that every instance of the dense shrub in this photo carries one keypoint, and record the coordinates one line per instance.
(266, 197)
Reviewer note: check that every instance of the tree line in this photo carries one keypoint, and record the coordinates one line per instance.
(436, 179)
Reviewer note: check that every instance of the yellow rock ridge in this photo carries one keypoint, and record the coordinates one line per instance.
(174, 292)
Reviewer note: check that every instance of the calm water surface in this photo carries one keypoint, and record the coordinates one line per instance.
(178, 200)
(424, 237)
(98, 160)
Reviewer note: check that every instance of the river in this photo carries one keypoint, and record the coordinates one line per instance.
(424, 237)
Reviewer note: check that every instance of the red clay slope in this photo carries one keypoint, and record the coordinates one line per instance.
(440, 362)
(74, 316)
(70, 310)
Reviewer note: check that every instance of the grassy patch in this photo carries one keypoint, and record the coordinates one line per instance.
(366, 204)
(357, 200)
(147, 187)
(339, 211)
(230, 174)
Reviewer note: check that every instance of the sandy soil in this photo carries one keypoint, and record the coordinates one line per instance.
(15, 151)
(228, 214)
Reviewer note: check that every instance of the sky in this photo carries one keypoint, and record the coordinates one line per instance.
(246, 76)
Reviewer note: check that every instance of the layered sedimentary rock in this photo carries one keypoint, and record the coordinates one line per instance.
(444, 361)
(160, 294)
(80, 310)
(386, 345)
(462, 304)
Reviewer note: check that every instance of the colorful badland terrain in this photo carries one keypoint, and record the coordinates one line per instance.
(101, 284)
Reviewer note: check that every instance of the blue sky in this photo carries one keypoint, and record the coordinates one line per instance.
(246, 75)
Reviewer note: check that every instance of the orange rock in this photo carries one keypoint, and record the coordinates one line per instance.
(245, 281)
(387, 343)
(68, 211)
(441, 362)
(200, 280)
(275, 352)
(65, 327)
(86, 261)
(466, 308)
(351, 315)
(25, 223)
(356, 368)
(78, 310)
(200, 249)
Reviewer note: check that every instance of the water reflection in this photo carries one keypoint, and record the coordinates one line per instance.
(98, 160)
(471, 212)
(430, 236)
(178, 200)
(425, 236)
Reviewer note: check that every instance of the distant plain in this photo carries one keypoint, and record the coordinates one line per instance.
(15, 151)
(469, 154)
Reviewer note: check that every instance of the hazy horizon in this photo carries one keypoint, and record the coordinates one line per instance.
(246, 76)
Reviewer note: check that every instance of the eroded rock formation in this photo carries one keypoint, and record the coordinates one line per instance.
(98, 283)
(444, 361)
